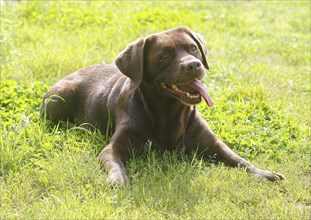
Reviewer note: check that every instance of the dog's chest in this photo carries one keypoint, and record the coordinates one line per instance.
(168, 134)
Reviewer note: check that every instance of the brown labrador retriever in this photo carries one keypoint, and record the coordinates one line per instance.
(149, 95)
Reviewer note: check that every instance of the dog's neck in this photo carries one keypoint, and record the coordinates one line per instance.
(168, 117)
(159, 103)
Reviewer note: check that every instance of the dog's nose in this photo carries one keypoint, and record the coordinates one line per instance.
(193, 65)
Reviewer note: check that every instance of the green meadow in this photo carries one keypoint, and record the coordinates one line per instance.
(259, 80)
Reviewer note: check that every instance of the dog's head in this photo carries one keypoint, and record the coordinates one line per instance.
(173, 61)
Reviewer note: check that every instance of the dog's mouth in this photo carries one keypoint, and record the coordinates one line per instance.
(190, 93)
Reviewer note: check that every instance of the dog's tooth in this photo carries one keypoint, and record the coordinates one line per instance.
(174, 87)
(196, 96)
(188, 95)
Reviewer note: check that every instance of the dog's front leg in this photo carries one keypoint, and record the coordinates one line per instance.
(228, 157)
(113, 165)
(210, 145)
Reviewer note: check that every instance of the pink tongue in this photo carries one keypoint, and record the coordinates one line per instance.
(199, 87)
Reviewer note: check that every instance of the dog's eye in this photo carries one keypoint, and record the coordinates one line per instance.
(194, 48)
(163, 56)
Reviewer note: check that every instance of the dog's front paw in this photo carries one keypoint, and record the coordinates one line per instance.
(276, 176)
(271, 176)
(116, 178)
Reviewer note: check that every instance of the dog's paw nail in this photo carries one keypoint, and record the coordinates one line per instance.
(116, 180)
(276, 177)
(280, 176)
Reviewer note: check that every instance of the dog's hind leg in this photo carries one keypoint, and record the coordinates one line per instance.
(59, 104)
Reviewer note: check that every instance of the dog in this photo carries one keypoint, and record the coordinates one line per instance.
(149, 95)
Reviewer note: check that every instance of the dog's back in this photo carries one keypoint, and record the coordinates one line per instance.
(76, 97)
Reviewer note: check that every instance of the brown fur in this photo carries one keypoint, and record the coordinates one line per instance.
(130, 94)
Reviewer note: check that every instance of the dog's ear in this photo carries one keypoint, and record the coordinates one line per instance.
(131, 61)
(202, 46)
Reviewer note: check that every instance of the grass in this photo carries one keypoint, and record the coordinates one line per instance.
(259, 53)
